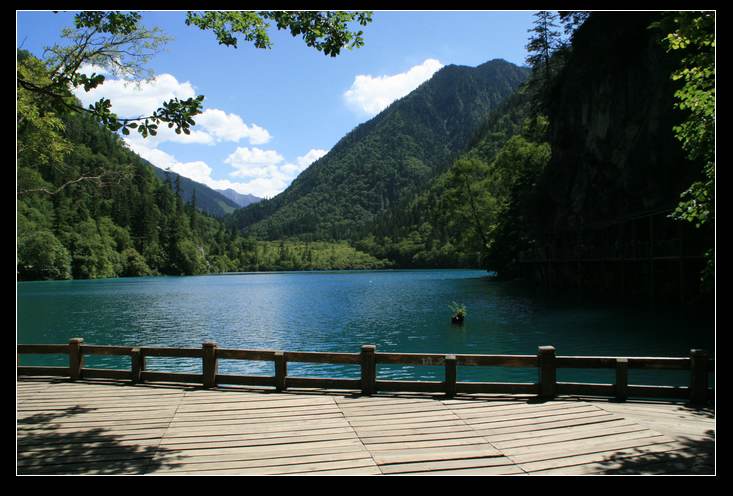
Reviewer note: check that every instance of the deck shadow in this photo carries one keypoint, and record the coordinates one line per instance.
(697, 456)
(47, 450)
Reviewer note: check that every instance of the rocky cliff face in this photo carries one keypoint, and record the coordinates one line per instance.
(612, 113)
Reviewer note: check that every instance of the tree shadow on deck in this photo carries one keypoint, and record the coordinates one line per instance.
(695, 456)
(43, 447)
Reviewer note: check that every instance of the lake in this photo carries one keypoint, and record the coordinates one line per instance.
(400, 310)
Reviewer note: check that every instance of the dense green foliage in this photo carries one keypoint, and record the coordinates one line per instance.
(462, 218)
(315, 255)
(328, 32)
(387, 159)
(91, 208)
(472, 169)
(694, 35)
(121, 44)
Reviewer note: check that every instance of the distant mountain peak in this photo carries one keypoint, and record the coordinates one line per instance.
(387, 158)
(239, 198)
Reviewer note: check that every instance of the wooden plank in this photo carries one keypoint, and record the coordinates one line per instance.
(594, 432)
(76, 359)
(152, 376)
(43, 349)
(137, 365)
(33, 370)
(567, 450)
(427, 436)
(527, 413)
(489, 429)
(573, 460)
(582, 388)
(577, 426)
(622, 379)
(434, 454)
(419, 386)
(451, 371)
(209, 364)
(501, 470)
(88, 373)
(323, 357)
(643, 391)
(368, 369)
(323, 382)
(609, 362)
(182, 458)
(255, 355)
(434, 359)
(429, 444)
(698, 377)
(526, 361)
(105, 350)
(281, 371)
(500, 463)
(315, 441)
(219, 436)
(497, 387)
(547, 383)
(232, 462)
(171, 352)
(245, 380)
(362, 470)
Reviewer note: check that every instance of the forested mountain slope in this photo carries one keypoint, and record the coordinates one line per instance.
(387, 159)
(89, 207)
(207, 200)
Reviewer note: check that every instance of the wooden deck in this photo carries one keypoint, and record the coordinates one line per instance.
(107, 427)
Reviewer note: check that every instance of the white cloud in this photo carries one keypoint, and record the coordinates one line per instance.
(137, 99)
(264, 173)
(151, 153)
(372, 94)
(302, 162)
(90, 69)
(253, 162)
(230, 127)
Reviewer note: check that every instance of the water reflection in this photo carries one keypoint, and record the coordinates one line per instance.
(403, 311)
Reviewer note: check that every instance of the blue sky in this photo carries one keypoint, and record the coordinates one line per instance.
(270, 113)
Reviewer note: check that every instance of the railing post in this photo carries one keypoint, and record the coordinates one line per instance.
(281, 371)
(450, 375)
(138, 365)
(698, 377)
(368, 369)
(76, 359)
(547, 372)
(622, 379)
(209, 365)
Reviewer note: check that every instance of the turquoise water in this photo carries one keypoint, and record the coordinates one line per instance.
(405, 311)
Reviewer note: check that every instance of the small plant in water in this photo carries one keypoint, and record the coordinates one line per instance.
(459, 312)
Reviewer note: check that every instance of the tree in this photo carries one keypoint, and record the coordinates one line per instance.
(543, 42)
(119, 43)
(693, 35)
(42, 256)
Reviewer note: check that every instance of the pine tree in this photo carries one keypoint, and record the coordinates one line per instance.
(544, 41)
(193, 210)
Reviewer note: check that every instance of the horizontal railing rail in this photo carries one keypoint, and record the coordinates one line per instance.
(699, 364)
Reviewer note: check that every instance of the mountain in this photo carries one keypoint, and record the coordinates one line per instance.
(208, 200)
(239, 198)
(386, 159)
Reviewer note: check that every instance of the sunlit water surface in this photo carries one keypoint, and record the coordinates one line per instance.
(405, 311)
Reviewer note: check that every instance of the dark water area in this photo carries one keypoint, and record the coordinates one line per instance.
(402, 310)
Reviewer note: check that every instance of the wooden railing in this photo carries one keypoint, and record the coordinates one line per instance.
(699, 364)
